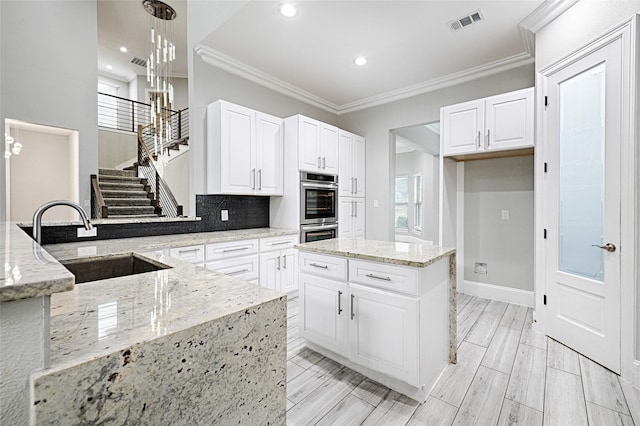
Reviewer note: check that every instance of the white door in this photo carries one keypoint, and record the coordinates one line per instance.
(329, 149)
(582, 200)
(238, 150)
(383, 332)
(289, 271)
(345, 217)
(345, 177)
(270, 264)
(509, 120)
(309, 144)
(358, 218)
(463, 127)
(324, 312)
(269, 154)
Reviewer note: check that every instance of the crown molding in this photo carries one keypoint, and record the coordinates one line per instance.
(464, 76)
(226, 63)
(545, 13)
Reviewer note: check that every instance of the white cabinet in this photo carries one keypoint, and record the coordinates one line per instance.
(383, 332)
(317, 144)
(351, 217)
(244, 151)
(238, 259)
(352, 165)
(498, 123)
(279, 263)
(324, 312)
(192, 254)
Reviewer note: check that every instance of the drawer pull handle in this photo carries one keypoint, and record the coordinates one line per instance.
(279, 243)
(315, 265)
(242, 271)
(375, 277)
(234, 249)
(352, 313)
(188, 251)
(339, 302)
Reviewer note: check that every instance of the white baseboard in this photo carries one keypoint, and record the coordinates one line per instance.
(498, 292)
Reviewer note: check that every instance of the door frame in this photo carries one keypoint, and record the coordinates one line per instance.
(629, 205)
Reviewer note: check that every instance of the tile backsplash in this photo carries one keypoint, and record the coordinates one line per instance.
(245, 211)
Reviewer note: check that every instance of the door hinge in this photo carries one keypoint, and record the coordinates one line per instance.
(544, 234)
(545, 167)
(544, 299)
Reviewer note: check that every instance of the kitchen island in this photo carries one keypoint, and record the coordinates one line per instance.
(384, 309)
(181, 345)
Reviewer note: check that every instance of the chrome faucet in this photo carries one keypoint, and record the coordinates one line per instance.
(37, 216)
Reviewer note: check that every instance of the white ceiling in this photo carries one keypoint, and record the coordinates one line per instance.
(408, 44)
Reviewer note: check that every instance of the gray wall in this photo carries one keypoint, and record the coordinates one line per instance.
(49, 76)
(506, 246)
(375, 123)
(115, 148)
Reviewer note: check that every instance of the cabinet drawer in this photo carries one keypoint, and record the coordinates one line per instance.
(191, 254)
(278, 243)
(230, 249)
(389, 277)
(323, 265)
(243, 267)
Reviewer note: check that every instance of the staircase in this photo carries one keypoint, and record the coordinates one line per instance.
(125, 195)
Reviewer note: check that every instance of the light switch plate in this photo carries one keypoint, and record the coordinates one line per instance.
(224, 215)
(83, 233)
(505, 215)
(375, 203)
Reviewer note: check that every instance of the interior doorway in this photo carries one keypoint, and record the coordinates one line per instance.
(41, 164)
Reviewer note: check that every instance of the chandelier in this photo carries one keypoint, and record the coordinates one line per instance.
(162, 53)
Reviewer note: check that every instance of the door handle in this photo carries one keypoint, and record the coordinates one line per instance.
(324, 162)
(319, 163)
(608, 247)
(278, 268)
(356, 191)
(284, 262)
(339, 302)
(488, 137)
(352, 313)
(478, 139)
(260, 179)
(253, 178)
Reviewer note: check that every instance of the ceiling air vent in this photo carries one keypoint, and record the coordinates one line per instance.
(138, 61)
(466, 20)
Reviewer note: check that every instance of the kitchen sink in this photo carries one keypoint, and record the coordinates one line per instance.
(88, 269)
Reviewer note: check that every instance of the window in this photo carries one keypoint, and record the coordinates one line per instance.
(417, 202)
(402, 201)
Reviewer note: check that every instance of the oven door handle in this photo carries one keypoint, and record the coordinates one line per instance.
(319, 227)
(319, 185)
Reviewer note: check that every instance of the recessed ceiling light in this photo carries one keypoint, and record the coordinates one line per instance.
(288, 10)
(360, 60)
(109, 67)
(123, 49)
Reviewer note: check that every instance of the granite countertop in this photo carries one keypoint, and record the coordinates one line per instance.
(406, 254)
(29, 271)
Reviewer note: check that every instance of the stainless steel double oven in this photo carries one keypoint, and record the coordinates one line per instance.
(318, 206)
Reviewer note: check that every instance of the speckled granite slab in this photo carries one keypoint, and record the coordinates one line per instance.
(406, 254)
(28, 270)
(178, 346)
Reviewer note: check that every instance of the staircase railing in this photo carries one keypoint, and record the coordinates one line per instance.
(178, 133)
(123, 114)
(164, 201)
(98, 207)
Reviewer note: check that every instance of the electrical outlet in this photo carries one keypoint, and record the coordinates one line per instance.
(83, 233)
(505, 214)
(224, 215)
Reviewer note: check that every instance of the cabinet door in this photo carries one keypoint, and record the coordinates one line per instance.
(289, 271)
(383, 332)
(509, 120)
(324, 312)
(463, 127)
(345, 217)
(309, 145)
(237, 151)
(269, 157)
(329, 149)
(270, 265)
(358, 218)
(359, 159)
(345, 176)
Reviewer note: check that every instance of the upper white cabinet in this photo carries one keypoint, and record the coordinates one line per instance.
(244, 151)
(317, 144)
(352, 165)
(498, 123)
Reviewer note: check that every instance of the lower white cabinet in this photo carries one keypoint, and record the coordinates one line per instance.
(351, 217)
(278, 270)
(383, 332)
(324, 312)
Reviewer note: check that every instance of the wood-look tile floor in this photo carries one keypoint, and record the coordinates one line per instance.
(506, 375)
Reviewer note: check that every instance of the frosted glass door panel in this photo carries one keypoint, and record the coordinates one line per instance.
(581, 186)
